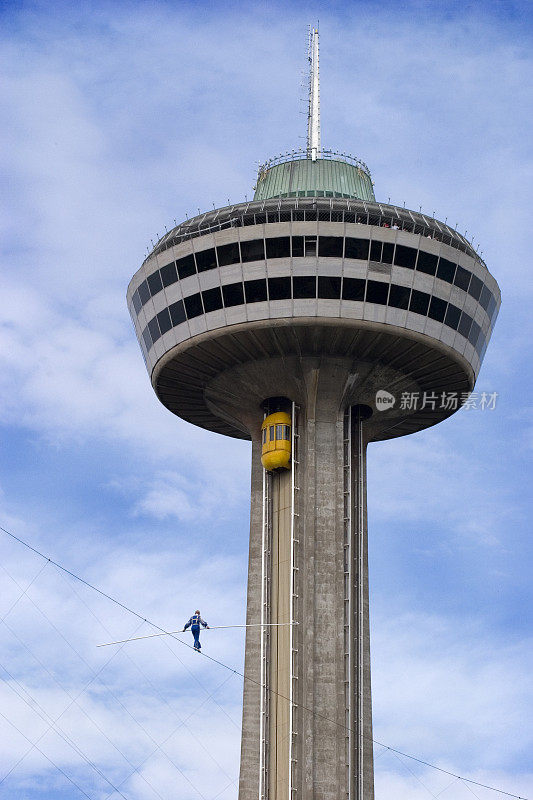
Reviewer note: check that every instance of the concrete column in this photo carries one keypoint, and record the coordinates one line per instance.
(325, 768)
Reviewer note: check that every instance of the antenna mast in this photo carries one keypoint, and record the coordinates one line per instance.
(313, 118)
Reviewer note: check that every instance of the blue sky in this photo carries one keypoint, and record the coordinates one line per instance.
(120, 118)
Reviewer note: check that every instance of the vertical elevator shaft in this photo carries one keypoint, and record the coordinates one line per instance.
(279, 672)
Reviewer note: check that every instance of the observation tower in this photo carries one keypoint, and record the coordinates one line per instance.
(351, 321)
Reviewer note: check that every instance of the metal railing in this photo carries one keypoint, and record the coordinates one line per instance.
(302, 154)
(317, 209)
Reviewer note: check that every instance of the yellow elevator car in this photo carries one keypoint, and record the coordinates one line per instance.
(276, 439)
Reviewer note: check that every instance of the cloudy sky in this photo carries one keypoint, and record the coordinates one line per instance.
(119, 118)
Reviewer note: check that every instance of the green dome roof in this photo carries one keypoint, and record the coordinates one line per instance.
(330, 175)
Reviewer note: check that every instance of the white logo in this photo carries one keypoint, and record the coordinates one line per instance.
(384, 400)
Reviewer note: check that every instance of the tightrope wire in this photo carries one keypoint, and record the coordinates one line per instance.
(252, 680)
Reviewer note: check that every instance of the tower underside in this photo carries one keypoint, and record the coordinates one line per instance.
(325, 303)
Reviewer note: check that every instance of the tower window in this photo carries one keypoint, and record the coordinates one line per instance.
(419, 302)
(405, 256)
(329, 288)
(356, 248)
(186, 266)
(375, 251)
(399, 296)
(484, 298)
(212, 299)
(330, 246)
(353, 289)
(144, 292)
(452, 316)
(304, 287)
(228, 254)
(193, 306)
(279, 288)
(388, 252)
(446, 270)
(253, 251)
(153, 327)
(278, 247)
(165, 323)
(233, 294)
(462, 278)
(465, 323)
(310, 246)
(177, 313)
(376, 292)
(154, 283)
(475, 287)
(271, 433)
(297, 246)
(427, 262)
(255, 291)
(136, 301)
(169, 274)
(205, 260)
(437, 309)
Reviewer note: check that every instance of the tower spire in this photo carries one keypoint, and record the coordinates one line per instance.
(313, 117)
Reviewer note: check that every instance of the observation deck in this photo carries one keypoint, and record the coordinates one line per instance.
(320, 278)
(330, 174)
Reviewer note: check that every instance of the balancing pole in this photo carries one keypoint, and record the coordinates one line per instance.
(210, 628)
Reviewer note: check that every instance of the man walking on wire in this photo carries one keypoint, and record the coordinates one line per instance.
(194, 624)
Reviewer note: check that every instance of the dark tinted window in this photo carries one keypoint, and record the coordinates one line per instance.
(256, 291)
(388, 252)
(475, 287)
(136, 301)
(437, 309)
(153, 327)
(465, 323)
(492, 306)
(446, 270)
(253, 251)
(297, 246)
(233, 294)
(169, 274)
(228, 254)
(193, 306)
(304, 286)
(473, 336)
(144, 292)
(278, 247)
(452, 316)
(427, 263)
(205, 260)
(375, 251)
(419, 302)
(212, 299)
(353, 289)
(329, 288)
(330, 246)
(185, 266)
(484, 298)
(376, 292)
(279, 288)
(462, 278)
(399, 296)
(147, 338)
(405, 256)
(164, 320)
(356, 248)
(154, 283)
(177, 312)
